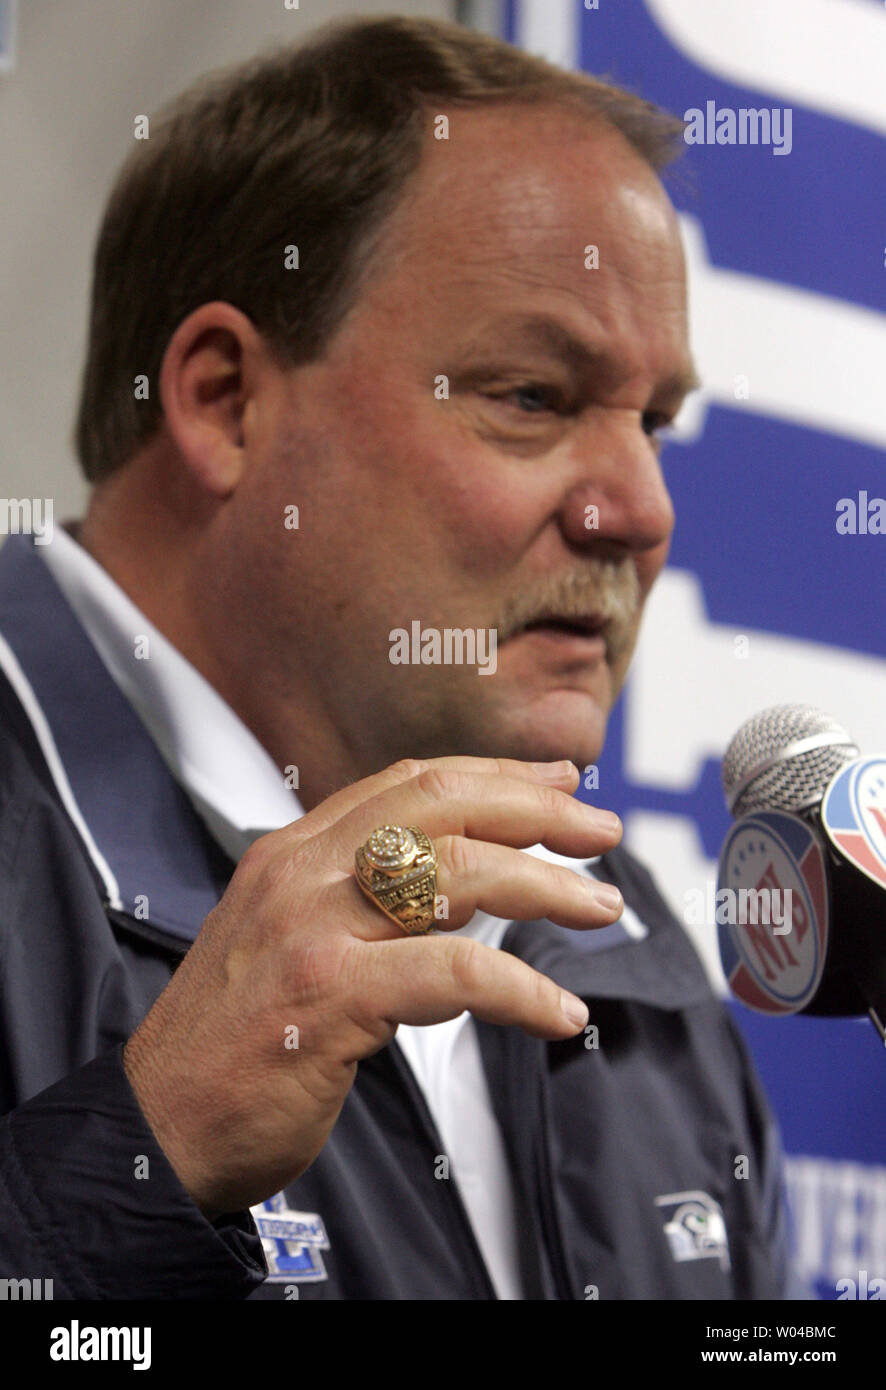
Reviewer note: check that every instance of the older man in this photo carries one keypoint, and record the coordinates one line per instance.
(383, 332)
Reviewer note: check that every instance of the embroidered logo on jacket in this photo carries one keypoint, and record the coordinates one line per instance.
(695, 1227)
(292, 1241)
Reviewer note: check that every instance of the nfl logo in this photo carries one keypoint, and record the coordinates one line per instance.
(774, 968)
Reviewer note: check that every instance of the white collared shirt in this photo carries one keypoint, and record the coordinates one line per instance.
(240, 793)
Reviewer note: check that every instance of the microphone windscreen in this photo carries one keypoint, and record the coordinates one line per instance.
(783, 758)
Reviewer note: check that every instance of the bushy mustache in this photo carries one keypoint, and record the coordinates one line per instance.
(607, 589)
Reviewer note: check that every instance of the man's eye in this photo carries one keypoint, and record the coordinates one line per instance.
(531, 399)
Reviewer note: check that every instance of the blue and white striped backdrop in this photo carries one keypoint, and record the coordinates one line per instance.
(764, 601)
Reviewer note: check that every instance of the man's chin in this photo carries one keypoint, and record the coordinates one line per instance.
(564, 724)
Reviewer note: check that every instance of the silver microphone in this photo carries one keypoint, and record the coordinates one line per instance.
(783, 758)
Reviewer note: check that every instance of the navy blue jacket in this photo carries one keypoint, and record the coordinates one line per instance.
(647, 1167)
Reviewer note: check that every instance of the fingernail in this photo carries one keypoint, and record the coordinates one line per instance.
(608, 896)
(553, 772)
(574, 1009)
(605, 820)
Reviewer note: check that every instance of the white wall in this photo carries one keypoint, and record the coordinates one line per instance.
(83, 70)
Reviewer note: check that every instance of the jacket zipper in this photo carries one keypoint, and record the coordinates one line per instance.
(550, 1221)
(415, 1096)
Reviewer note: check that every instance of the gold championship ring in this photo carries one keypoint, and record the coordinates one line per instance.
(397, 869)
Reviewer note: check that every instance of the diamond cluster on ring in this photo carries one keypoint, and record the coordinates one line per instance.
(391, 848)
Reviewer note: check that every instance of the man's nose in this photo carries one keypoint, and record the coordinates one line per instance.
(618, 493)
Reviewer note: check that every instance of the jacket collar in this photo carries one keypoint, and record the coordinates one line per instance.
(663, 970)
(155, 859)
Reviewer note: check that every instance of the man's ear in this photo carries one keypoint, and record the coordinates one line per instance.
(208, 378)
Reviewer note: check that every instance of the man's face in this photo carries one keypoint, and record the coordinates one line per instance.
(531, 493)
